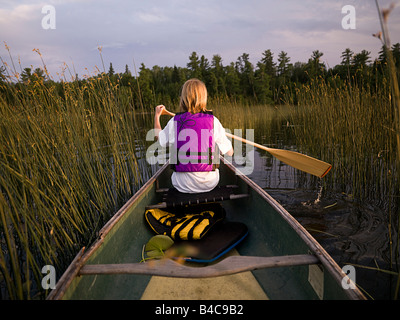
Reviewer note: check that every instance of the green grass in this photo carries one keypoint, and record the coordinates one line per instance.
(355, 130)
(68, 160)
(351, 128)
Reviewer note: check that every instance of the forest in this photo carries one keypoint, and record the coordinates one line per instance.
(268, 82)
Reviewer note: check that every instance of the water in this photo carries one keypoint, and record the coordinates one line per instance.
(352, 232)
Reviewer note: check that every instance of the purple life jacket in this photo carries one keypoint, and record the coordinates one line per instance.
(194, 142)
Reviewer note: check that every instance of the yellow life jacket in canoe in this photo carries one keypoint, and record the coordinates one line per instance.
(193, 224)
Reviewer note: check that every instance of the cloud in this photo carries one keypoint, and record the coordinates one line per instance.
(164, 33)
(152, 17)
(112, 45)
(19, 14)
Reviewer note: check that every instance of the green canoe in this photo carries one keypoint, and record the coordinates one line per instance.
(278, 259)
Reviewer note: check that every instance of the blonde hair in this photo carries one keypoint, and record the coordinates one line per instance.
(193, 96)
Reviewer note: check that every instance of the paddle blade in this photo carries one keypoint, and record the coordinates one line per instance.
(302, 162)
(296, 160)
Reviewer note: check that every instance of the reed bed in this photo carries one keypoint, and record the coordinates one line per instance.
(69, 158)
(350, 127)
(265, 120)
(354, 129)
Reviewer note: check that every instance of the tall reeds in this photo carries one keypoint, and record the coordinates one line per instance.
(357, 129)
(349, 127)
(395, 99)
(70, 156)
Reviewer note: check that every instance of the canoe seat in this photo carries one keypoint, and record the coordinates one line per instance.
(174, 198)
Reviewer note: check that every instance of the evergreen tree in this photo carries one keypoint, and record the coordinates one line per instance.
(127, 71)
(299, 72)
(217, 75)
(126, 77)
(262, 84)
(232, 80)
(315, 67)
(283, 77)
(145, 86)
(2, 74)
(361, 59)
(268, 62)
(111, 71)
(177, 75)
(264, 75)
(283, 64)
(216, 65)
(360, 63)
(204, 67)
(246, 74)
(347, 57)
(194, 65)
(396, 54)
(28, 76)
(345, 69)
(213, 85)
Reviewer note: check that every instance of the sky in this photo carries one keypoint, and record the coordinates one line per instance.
(166, 32)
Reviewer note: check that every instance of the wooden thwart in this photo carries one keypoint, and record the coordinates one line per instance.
(170, 268)
(162, 205)
(173, 198)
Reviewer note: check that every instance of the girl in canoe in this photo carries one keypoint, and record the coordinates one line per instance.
(193, 134)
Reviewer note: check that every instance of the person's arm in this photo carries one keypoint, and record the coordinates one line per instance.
(224, 144)
(157, 125)
(230, 152)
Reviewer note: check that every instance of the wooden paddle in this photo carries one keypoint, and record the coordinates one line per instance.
(294, 159)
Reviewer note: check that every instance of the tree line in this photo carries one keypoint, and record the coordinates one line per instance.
(267, 82)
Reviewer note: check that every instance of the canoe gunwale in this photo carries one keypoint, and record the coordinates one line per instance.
(67, 277)
(316, 249)
(82, 256)
(113, 221)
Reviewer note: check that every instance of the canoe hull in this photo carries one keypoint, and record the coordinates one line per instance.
(272, 232)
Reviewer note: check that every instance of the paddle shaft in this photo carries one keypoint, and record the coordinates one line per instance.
(248, 142)
(297, 160)
(166, 112)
